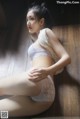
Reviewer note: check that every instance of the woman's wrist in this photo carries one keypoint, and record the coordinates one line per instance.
(50, 71)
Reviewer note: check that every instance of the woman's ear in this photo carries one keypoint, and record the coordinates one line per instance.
(42, 21)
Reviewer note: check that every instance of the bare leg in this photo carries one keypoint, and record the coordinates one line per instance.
(18, 85)
(23, 106)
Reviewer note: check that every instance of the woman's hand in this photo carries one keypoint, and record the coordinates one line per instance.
(38, 74)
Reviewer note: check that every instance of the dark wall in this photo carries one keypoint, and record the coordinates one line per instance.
(13, 13)
(11, 20)
(62, 13)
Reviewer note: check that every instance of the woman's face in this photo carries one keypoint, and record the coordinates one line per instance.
(33, 24)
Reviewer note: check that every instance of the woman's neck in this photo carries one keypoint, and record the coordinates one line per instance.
(34, 37)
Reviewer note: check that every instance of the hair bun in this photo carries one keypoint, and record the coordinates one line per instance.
(43, 5)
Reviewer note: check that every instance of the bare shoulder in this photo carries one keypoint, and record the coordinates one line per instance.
(50, 34)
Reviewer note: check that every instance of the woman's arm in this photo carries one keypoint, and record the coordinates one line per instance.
(64, 58)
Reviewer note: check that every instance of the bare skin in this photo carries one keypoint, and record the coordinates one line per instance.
(61, 53)
(21, 86)
(22, 105)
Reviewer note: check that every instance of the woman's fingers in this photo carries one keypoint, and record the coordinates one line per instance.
(37, 78)
(34, 69)
(37, 74)
(34, 74)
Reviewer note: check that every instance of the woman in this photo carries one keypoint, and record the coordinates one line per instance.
(33, 92)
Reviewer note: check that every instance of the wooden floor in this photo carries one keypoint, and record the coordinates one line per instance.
(67, 84)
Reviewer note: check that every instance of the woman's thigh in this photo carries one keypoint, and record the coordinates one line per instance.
(22, 106)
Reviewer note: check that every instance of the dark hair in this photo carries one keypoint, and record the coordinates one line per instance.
(41, 11)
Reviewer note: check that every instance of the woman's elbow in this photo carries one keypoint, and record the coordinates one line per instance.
(68, 59)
